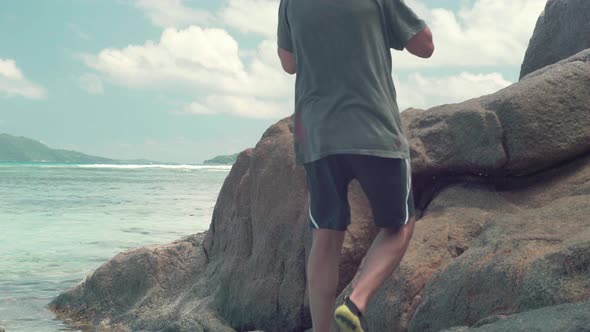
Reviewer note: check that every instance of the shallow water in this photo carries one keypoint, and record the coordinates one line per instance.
(59, 222)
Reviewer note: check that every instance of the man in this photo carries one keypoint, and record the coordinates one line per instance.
(347, 126)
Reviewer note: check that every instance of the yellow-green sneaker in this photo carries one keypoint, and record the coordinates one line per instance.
(349, 318)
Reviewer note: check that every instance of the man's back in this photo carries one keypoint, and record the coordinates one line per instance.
(345, 100)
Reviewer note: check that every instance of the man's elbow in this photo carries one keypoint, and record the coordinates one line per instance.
(424, 51)
(289, 69)
(287, 61)
(427, 51)
(421, 44)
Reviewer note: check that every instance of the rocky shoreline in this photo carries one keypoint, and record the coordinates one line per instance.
(502, 183)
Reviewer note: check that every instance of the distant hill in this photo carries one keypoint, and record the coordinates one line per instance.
(222, 160)
(23, 149)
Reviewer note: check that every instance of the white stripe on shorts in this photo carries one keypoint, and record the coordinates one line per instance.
(312, 220)
(409, 184)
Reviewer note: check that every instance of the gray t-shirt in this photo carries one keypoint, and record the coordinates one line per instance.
(345, 100)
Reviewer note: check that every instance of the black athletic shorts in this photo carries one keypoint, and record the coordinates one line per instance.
(385, 181)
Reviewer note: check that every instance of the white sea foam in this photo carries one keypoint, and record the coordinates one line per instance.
(205, 167)
(211, 168)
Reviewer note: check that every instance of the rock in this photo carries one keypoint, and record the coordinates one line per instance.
(529, 126)
(157, 287)
(545, 119)
(257, 238)
(581, 58)
(459, 138)
(561, 31)
(564, 318)
(531, 249)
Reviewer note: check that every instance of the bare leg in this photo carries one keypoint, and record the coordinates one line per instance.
(382, 258)
(322, 276)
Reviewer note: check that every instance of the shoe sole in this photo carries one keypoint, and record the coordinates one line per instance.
(345, 324)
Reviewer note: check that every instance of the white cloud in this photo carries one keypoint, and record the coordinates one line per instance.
(172, 13)
(421, 91)
(194, 57)
(239, 105)
(204, 61)
(486, 33)
(91, 83)
(247, 16)
(9, 70)
(13, 83)
(252, 16)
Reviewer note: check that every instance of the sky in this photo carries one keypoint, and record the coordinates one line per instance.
(186, 80)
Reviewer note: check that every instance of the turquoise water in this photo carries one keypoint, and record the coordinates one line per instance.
(59, 222)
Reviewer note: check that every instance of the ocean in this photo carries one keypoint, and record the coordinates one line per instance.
(59, 222)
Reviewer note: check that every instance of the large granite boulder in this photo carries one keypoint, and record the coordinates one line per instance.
(153, 288)
(579, 59)
(524, 128)
(563, 318)
(562, 30)
(529, 248)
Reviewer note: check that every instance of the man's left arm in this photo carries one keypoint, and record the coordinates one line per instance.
(285, 44)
